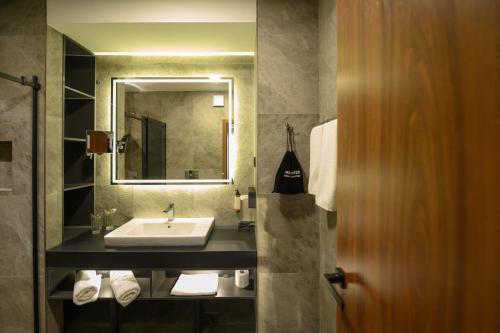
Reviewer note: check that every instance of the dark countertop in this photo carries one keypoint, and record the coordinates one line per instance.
(227, 248)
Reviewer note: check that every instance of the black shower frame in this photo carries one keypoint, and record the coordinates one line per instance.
(35, 86)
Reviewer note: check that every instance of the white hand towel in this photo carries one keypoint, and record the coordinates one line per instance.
(326, 190)
(87, 286)
(125, 286)
(196, 284)
(315, 159)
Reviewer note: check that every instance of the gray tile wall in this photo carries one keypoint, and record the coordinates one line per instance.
(287, 225)
(54, 160)
(22, 52)
(327, 110)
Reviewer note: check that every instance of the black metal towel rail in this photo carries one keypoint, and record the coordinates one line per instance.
(35, 86)
(336, 278)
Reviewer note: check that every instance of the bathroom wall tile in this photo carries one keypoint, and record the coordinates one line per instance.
(53, 149)
(53, 219)
(217, 202)
(150, 201)
(23, 17)
(22, 55)
(15, 231)
(328, 240)
(327, 59)
(327, 308)
(54, 73)
(102, 175)
(288, 302)
(287, 226)
(22, 52)
(120, 197)
(288, 16)
(16, 310)
(288, 74)
(287, 234)
(271, 145)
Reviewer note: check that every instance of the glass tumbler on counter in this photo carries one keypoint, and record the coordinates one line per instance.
(108, 218)
(96, 221)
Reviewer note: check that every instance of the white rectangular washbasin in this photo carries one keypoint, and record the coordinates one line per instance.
(161, 232)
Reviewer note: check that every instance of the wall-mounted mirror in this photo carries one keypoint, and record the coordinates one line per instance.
(172, 130)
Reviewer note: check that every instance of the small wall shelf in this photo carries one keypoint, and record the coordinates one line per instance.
(75, 139)
(77, 186)
(72, 93)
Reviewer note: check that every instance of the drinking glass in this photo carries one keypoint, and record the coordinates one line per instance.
(108, 218)
(96, 223)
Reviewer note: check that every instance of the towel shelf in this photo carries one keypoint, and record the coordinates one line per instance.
(65, 290)
(157, 289)
(336, 278)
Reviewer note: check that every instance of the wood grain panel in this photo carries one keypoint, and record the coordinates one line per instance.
(418, 181)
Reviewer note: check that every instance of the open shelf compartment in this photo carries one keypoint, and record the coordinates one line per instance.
(163, 282)
(155, 285)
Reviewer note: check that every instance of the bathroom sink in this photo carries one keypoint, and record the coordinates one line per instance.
(161, 232)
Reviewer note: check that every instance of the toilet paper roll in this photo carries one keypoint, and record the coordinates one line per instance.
(241, 278)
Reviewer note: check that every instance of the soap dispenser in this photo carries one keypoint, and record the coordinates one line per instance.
(237, 201)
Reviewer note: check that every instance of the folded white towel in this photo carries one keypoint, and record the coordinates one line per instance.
(125, 286)
(326, 190)
(196, 284)
(315, 159)
(87, 286)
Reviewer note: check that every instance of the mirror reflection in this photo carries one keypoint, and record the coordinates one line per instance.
(173, 129)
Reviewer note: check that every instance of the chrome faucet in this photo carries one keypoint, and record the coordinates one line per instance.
(170, 208)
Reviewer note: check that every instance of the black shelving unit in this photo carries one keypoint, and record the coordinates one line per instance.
(156, 297)
(79, 116)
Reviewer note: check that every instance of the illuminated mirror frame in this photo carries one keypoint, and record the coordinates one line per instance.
(231, 140)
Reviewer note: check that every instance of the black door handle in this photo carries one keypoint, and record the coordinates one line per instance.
(336, 278)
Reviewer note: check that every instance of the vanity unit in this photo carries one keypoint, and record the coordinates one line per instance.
(175, 129)
(156, 269)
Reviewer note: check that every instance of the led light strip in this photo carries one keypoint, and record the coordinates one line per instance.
(231, 144)
(175, 54)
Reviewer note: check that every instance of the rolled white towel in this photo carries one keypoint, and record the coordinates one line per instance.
(125, 286)
(87, 286)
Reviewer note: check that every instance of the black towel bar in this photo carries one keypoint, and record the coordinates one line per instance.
(336, 278)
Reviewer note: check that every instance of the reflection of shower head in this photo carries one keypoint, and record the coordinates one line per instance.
(122, 144)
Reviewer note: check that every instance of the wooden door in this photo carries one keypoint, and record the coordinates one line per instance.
(418, 166)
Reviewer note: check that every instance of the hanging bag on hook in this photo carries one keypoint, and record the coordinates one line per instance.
(289, 178)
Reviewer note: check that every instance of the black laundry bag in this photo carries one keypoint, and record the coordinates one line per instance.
(290, 177)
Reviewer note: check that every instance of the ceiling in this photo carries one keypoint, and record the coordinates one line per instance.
(157, 26)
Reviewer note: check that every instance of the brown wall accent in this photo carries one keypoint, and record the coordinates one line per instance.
(418, 183)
